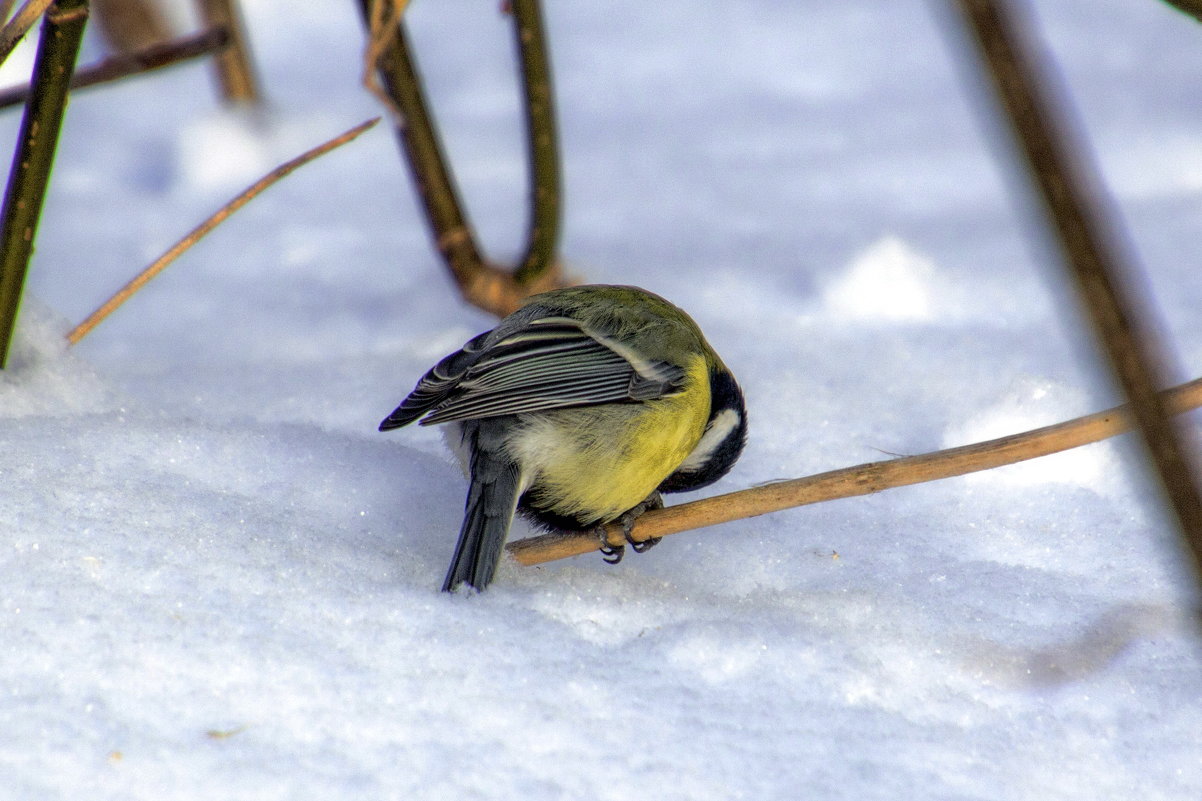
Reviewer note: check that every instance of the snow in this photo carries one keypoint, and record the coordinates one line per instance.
(220, 581)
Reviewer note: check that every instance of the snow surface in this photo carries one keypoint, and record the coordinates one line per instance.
(219, 581)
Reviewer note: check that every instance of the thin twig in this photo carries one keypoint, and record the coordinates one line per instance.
(1091, 242)
(62, 31)
(235, 68)
(542, 238)
(114, 68)
(174, 252)
(853, 481)
(16, 28)
(383, 19)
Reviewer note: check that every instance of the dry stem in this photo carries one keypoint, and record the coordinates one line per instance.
(384, 19)
(1092, 243)
(234, 67)
(19, 25)
(852, 481)
(126, 292)
(122, 65)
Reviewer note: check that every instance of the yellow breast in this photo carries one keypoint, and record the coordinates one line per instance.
(594, 463)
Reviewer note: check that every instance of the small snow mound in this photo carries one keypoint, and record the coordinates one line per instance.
(225, 152)
(1167, 165)
(42, 377)
(888, 281)
(1033, 403)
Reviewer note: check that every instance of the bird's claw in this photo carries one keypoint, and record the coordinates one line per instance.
(612, 554)
(645, 545)
(627, 521)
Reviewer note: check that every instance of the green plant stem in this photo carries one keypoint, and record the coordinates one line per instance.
(542, 143)
(62, 31)
(1090, 240)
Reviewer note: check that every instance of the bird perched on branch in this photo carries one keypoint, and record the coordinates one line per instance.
(578, 410)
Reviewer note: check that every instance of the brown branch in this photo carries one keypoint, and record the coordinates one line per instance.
(235, 68)
(383, 19)
(849, 482)
(123, 65)
(176, 250)
(16, 28)
(1091, 243)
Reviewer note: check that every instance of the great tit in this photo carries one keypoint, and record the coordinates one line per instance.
(578, 410)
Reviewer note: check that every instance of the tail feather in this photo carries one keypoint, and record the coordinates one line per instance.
(491, 500)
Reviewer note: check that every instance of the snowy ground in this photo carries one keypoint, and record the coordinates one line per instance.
(219, 581)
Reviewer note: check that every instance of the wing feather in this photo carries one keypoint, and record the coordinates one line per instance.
(548, 363)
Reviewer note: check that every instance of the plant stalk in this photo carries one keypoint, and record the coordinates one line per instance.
(850, 482)
(1091, 241)
(235, 69)
(156, 56)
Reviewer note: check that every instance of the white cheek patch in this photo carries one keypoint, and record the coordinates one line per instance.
(723, 424)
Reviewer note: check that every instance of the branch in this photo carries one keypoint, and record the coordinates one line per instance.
(62, 31)
(176, 250)
(235, 70)
(850, 482)
(1090, 239)
(16, 28)
(123, 65)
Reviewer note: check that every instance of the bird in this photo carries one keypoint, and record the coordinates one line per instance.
(578, 410)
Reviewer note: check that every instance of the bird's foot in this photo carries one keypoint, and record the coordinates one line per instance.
(614, 553)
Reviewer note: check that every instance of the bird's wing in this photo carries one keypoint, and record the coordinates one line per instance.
(548, 363)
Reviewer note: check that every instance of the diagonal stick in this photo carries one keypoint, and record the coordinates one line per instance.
(142, 278)
(849, 482)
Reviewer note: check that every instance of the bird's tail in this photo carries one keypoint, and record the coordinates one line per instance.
(491, 500)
